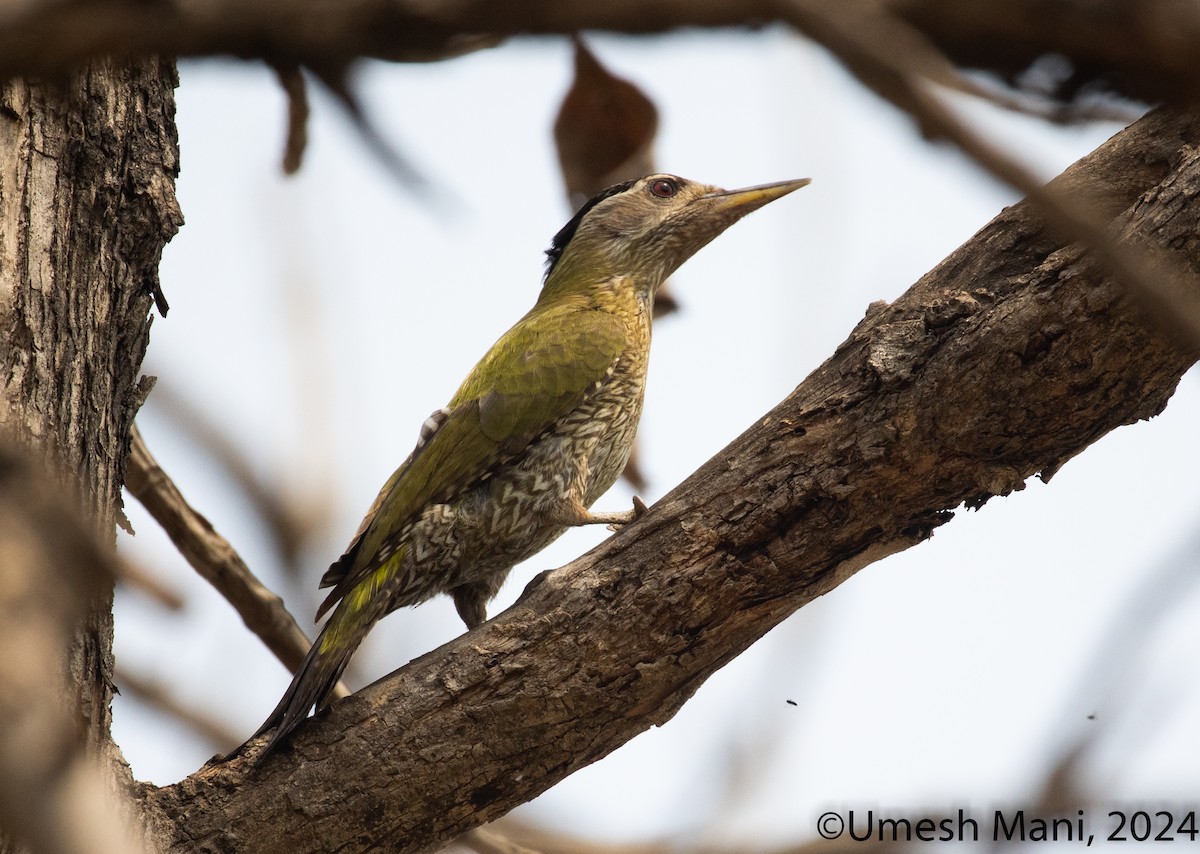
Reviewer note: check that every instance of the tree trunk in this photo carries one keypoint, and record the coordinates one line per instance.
(1009, 358)
(87, 169)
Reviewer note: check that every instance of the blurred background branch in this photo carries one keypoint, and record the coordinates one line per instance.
(159, 695)
(1143, 49)
(289, 523)
(214, 558)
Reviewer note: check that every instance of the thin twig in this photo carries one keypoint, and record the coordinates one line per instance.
(135, 577)
(155, 694)
(214, 558)
(292, 80)
(290, 525)
(386, 150)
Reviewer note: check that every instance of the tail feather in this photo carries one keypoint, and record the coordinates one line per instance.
(319, 672)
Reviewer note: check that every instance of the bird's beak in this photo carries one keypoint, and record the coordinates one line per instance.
(699, 221)
(751, 198)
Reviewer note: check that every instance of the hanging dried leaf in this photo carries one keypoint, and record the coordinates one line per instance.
(604, 131)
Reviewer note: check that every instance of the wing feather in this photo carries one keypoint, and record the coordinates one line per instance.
(537, 372)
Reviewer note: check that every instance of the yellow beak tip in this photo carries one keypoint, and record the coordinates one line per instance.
(757, 196)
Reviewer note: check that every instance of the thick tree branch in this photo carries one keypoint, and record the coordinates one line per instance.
(1141, 47)
(1009, 358)
(1104, 42)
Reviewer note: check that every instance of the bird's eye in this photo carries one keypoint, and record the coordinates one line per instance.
(664, 188)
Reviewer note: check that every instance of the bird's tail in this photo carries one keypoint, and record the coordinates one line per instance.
(321, 669)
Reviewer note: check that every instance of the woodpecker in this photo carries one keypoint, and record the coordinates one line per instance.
(539, 430)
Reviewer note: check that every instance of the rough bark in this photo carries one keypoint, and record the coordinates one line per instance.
(1005, 361)
(87, 168)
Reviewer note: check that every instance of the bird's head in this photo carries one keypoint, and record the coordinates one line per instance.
(643, 230)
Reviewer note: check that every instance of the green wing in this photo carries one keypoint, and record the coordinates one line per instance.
(539, 371)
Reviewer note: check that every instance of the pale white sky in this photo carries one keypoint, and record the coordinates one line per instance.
(321, 318)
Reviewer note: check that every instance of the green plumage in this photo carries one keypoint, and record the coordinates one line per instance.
(539, 429)
(539, 371)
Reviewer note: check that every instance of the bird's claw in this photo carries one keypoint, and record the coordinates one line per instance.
(638, 511)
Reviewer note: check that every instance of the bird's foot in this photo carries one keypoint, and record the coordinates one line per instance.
(638, 511)
(573, 514)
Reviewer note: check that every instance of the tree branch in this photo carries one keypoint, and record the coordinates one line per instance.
(1105, 44)
(136, 577)
(159, 697)
(1143, 48)
(1009, 358)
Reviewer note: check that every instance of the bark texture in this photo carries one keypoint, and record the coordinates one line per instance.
(1005, 361)
(87, 167)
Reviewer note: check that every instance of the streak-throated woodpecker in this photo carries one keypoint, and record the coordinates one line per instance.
(539, 430)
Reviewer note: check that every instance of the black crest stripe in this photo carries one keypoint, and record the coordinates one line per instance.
(560, 241)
